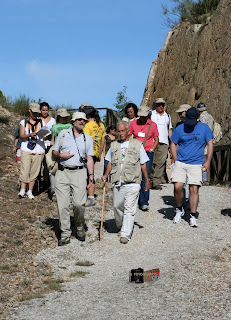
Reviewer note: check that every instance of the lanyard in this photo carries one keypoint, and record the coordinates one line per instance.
(84, 138)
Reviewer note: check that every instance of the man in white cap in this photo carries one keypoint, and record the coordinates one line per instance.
(75, 159)
(164, 125)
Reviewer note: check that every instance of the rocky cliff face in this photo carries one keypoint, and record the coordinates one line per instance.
(195, 66)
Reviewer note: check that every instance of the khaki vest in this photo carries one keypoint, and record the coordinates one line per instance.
(131, 171)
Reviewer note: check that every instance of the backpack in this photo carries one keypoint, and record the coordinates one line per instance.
(217, 132)
(53, 162)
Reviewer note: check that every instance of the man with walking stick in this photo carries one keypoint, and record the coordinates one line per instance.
(126, 159)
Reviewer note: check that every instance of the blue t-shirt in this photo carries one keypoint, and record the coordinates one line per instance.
(191, 142)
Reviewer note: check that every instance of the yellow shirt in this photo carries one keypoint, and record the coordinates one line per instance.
(97, 132)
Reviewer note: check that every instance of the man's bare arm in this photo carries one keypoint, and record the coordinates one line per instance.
(145, 173)
(206, 165)
(173, 149)
(108, 170)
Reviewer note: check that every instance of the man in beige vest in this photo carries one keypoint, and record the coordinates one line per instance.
(126, 159)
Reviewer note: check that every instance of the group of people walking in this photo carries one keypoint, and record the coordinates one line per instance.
(135, 154)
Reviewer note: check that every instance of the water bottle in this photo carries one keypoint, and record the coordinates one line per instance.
(204, 175)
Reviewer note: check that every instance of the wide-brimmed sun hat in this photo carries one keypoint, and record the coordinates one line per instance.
(78, 115)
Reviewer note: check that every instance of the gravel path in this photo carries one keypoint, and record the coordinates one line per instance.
(194, 266)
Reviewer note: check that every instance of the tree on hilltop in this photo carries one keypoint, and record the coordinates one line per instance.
(188, 10)
(121, 102)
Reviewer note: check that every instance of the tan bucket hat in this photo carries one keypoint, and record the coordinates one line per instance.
(78, 115)
(160, 100)
(183, 107)
(143, 111)
(63, 113)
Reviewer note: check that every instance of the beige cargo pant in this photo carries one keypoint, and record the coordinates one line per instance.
(160, 156)
(65, 182)
(125, 199)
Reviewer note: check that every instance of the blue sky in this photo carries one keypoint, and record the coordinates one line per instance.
(70, 51)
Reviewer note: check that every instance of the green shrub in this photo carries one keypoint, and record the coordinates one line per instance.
(5, 102)
(21, 105)
(4, 119)
(85, 263)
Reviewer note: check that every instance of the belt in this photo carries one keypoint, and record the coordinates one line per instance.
(61, 167)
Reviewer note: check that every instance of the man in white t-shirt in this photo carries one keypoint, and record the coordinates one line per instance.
(164, 125)
(126, 159)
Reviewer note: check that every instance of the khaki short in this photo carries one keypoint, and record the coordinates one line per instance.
(192, 172)
(30, 166)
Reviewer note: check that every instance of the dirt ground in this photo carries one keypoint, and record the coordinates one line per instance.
(31, 226)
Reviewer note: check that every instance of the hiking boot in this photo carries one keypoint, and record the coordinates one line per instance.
(156, 187)
(123, 240)
(193, 221)
(21, 194)
(29, 195)
(178, 215)
(144, 207)
(80, 233)
(90, 202)
(63, 242)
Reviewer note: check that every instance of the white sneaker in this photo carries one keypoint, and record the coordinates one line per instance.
(21, 194)
(30, 195)
(178, 215)
(193, 221)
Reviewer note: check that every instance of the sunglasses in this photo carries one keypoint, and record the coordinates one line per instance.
(160, 105)
(81, 119)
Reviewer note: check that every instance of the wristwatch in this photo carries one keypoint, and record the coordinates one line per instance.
(151, 150)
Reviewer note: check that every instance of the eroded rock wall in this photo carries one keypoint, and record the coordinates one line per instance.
(195, 66)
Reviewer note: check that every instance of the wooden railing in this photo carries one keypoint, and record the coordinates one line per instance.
(220, 165)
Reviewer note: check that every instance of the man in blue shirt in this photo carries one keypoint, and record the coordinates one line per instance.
(187, 147)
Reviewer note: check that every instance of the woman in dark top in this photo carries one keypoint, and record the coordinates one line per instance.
(110, 136)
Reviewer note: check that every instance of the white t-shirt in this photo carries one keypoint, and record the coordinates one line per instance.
(49, 125)
(163, 124)
(39, 148)
(124, 147)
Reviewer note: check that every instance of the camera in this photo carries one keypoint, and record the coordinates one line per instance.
(31, 143)
(82, 160)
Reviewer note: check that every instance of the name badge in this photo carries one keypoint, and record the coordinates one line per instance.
(141, 134)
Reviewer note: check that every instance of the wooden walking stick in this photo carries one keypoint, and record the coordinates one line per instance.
(101, 224)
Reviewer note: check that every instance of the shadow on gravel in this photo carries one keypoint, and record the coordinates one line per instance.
(168, 213)
(169, 200)
(110, 226)
(54, 224)
(226, 212)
